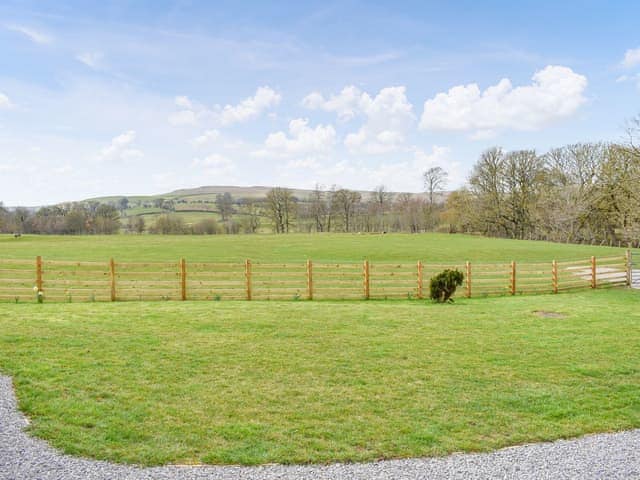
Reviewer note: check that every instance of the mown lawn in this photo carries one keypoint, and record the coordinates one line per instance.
(258, 382)
(430, 248)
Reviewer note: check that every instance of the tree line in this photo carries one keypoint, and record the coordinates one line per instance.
(68, 219)
(579, 193)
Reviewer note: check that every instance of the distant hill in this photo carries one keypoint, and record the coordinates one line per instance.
(193, 205)
(210, 192)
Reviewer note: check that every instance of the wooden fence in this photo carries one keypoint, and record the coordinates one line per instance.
(69, 281)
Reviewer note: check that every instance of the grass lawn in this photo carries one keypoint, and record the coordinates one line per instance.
(430, 248)
(257, 382)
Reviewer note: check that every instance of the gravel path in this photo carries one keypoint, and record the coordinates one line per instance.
(610, 456)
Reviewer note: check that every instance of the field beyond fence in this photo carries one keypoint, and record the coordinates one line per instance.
(70, 281)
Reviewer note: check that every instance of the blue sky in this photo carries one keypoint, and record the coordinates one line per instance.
(135, 97)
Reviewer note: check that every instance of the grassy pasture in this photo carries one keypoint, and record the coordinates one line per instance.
(242, 382)
(430, 248)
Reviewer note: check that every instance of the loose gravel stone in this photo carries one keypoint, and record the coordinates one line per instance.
(607, 456)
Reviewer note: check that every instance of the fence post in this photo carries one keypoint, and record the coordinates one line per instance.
(513, 278)
(554, 276)
(247, 276)
(594, 283)
(309, 280)
(365, 272)
(629, 269)
(183, 279)
(468, 284)
(420, 280)
(39, 273)
(112, 275)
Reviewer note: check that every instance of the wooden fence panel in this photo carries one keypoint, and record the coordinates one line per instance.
(286, 281)
(17, 279)
(112, 280)
(148, 280)
(216, 281)
(394, 280)
(339, 281)
(76, 281)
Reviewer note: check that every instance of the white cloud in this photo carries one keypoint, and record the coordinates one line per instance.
(439, 156)
(363, 174)
(183, 101)
(4, 101)
(304, 163)
(388, 117)
(631, 58)
(91, 59)
(207, 137)
(347, 104)
(556, 92)
(120, 148)
(33, 35)
(248, 109)
(629, 78)
(302, 140)
(214, 165)
(183, 117)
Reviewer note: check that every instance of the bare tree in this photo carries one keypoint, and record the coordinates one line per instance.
(318, 208)
(251, 220)
(281, 205)
(136, 224)
(346, 202)
(380, 198)
(435, 180)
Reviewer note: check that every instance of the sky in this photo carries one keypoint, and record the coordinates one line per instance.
(144, 97)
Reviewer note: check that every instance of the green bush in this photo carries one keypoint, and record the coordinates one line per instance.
(444, 285)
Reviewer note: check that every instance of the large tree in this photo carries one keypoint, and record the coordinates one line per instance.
(346, 202)
(380, 198)
(435, 180)
(224, 203)
(281, 206)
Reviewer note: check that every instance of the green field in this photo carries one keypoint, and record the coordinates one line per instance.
(242, 382)
(428, 247)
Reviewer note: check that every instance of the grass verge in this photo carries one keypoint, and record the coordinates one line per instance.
(296, 382)
(334, 247)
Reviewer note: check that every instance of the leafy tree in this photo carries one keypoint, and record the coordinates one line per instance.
(123, 204)
(207, 226)
(106, 219)
(224, 203)
(169, 224)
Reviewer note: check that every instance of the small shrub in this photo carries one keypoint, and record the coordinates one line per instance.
(444, 285)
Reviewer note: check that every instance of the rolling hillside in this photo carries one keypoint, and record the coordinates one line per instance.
(196, 204)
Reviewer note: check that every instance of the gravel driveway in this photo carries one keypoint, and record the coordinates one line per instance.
(597, 456)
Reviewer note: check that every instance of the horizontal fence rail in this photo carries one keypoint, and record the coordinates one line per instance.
(68, 281)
